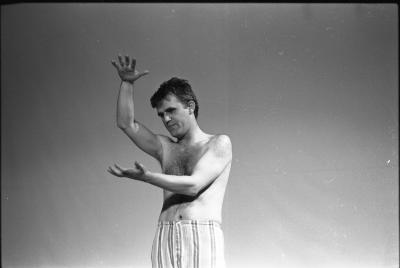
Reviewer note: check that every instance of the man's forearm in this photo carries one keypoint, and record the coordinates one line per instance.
(125, 105)
(177, 184)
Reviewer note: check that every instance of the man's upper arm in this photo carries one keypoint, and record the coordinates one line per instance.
(213, 162)
(145, 139)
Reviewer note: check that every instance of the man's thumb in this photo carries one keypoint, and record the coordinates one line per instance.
(139, 166)
(143, 74)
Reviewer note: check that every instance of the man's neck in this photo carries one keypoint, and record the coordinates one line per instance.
(194, 135)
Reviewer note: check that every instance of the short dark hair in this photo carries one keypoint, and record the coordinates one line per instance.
(178, 87)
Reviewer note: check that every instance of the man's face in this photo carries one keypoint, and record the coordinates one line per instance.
(174, 114)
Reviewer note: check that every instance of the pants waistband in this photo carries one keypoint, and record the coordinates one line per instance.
(197, 222)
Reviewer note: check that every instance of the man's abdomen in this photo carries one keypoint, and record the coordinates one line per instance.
(180, 207)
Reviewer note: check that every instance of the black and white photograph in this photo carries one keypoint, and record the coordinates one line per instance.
(199, 135)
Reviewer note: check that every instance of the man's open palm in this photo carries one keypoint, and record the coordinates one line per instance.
(126, 69)
(136, 173)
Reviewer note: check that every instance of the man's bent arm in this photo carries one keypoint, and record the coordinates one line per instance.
(208, 168)
(140, 135)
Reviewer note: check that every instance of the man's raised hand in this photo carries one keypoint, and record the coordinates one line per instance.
(126, 69)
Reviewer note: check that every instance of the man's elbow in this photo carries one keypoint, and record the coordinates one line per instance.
(195, 189)
(121, 126)
(126, 126)
(192, 190)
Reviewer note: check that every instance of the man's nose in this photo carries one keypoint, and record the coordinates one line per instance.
(167, 118)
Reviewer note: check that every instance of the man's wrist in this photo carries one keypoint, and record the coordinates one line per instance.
(147, 175)
(127, 81)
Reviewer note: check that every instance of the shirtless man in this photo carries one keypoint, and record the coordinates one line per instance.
(195, 170)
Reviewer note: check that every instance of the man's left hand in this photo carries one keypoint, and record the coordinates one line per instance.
(138, 172)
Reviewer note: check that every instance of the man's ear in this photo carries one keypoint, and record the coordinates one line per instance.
(191, 106)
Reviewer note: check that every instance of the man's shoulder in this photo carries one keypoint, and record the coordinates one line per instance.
(221, 144)
(224, 138)
(220, 139)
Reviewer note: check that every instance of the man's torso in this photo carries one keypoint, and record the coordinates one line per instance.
(180, 159)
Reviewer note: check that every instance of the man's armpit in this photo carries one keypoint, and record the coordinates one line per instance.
(165, 146)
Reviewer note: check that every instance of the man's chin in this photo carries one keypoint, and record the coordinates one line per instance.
(175, 134)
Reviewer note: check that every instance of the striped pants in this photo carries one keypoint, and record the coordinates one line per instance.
(188, 244)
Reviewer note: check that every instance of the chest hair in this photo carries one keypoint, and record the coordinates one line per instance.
(182, 159)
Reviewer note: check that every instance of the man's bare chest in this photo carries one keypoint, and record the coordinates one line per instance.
(180, 160)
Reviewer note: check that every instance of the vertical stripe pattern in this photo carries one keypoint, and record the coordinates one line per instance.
(188, 244)
(171, 244)
(159, 256)
(212, 238)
